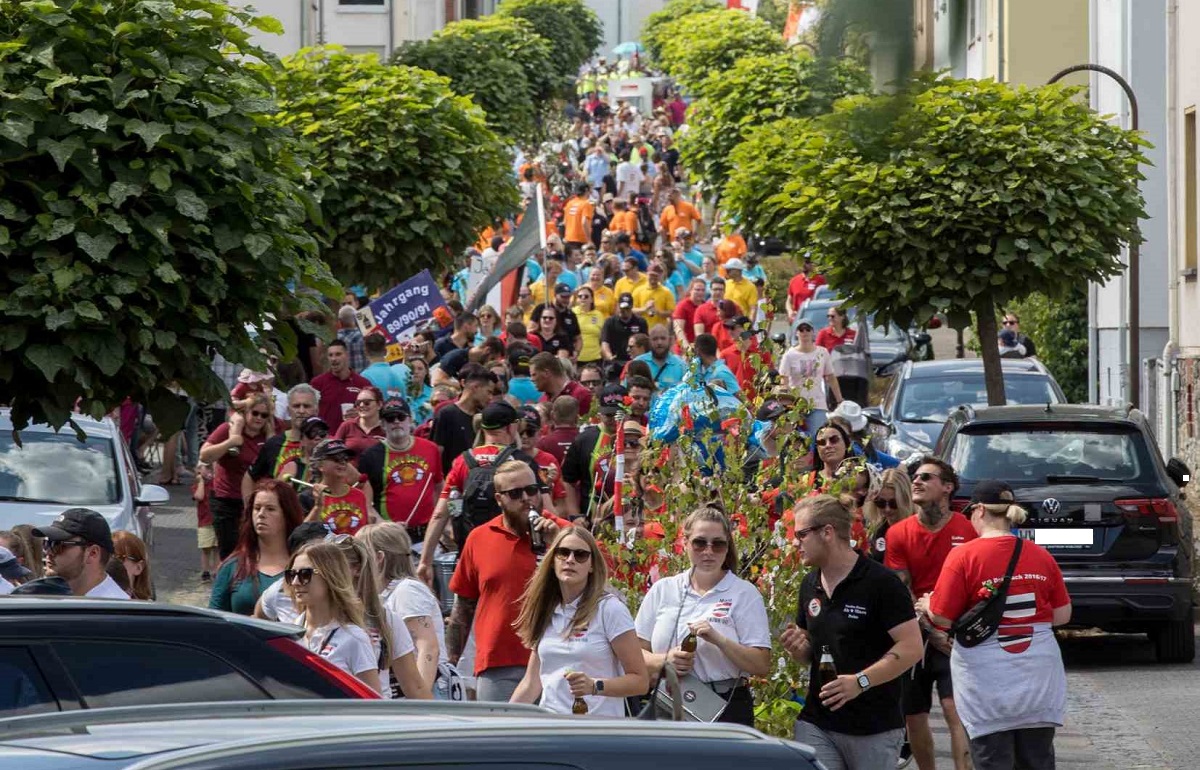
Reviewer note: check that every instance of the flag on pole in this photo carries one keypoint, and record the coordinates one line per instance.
(525, 243)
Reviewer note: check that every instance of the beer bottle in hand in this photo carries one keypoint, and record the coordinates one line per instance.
(826, 672)
(689, 642)
(580, 706)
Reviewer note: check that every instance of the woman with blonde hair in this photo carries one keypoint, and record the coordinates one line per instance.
(591, 321)
(889, 505)
(724, 613)
(581, 636)
(489, 324)
(319, 582)
(131, 552)
(398, 673)
(25, 547)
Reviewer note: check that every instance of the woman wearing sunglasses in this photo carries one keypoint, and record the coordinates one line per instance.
(892, 503)
(232, 454)
(398, 674)
(831, 445)
(591, 321)
(582, 636)
(272, 512)
(725, 612)
(312, 432)
(489, 324)
(550, 336)
(319, 582)
(364, 430)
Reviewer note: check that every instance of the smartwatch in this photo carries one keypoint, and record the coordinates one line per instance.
(864, 682)
(597, 687)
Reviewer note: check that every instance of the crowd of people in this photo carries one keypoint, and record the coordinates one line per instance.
(492, 447)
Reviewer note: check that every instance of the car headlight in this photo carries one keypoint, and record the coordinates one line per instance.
(902, 450)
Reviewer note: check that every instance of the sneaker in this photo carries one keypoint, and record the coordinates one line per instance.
(905, 755)
(207, 578)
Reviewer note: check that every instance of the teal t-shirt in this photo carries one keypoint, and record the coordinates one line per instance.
(238, 596)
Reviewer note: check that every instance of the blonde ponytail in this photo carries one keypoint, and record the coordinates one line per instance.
(1016, 515)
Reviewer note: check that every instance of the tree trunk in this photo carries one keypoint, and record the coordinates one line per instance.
(989, 349)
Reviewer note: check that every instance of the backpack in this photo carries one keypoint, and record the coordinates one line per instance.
(646, 229)
(479, 494)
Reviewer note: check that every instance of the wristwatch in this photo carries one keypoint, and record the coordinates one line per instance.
(864, 682)
(597, 687)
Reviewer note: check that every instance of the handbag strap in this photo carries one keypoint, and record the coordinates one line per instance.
(1012, 566)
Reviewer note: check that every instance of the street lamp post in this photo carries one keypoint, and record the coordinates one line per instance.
(1135, 364)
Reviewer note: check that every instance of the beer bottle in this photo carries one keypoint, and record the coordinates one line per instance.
(826, 672)
(689, 642)
(580, 706)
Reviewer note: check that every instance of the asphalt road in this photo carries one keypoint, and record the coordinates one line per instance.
(1124, 711)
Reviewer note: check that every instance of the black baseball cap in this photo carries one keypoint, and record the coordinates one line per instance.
(79, 522)
(771, 410)
(612, 399)
(498, 415)
(305, 531)
(331, 448)
(625, 300)
(562, 288)
(311, 425)
(992, 492)
(10, 568)
(736, 321)
(531, 416)
(395, 407)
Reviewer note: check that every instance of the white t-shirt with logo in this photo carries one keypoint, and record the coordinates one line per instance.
(107, 589)
(734, 608)
(410, 598)
(347, 647)
(277, 604)
(806, 372)
(589, 651)
(402, 644)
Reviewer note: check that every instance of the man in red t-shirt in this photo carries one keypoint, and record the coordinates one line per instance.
(713, 313)
(745, 359)
(683, 320)
(564, 427)
(339, 386)
(917, 548)
(404, 472)
(548, 376)
(494, 565)
(801, 289)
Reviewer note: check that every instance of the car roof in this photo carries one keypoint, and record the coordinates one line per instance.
(1047, 413)
(103, 428)
(952, 366)
(23, 607)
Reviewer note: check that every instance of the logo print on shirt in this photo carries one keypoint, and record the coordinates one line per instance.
(579, 635)
(814, 608)
(880, 544)
(1016, 639)
(721, 609)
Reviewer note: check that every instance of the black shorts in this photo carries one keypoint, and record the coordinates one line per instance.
(918, 687)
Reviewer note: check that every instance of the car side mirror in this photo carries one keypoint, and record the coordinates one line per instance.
(1179, 472)
(152, 494)
(922, 338)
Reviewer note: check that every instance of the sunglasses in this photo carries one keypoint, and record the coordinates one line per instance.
(886, 504)
(832, 315)
(303, 576)
(703, 544)
(132, 558)
(834, 439)
(927, 477)
(365, 402)
(263, 415)
(581, 555)
(395, 418)
(803, 533)
(517, 493)
(57, 547)
(529, 433)
(1011, 323)
(633, 443)
(317, 434)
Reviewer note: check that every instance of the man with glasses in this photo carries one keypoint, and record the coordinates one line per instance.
(917, 548)
(713, 313)
(493, 567)
(1013, 324)
(591, 378)
(404, 472)
(78, 546)
(859, 611)
(339, 386)
(282, 448)
(549, 467)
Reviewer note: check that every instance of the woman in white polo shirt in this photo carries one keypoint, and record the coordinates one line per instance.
(581, 635)
(726, 613)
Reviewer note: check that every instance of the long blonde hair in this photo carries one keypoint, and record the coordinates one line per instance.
(330, 563)
(898, 481)
(267, 400)
(358, 557)
(543, 594)
(391, 541)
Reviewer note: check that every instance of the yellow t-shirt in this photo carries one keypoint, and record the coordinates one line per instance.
(590, 323)
(664, 303)
(605, 300)
(626, 286)
(537, 290)
(744, 293)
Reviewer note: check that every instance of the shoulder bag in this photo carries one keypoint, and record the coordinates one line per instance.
(981, 621)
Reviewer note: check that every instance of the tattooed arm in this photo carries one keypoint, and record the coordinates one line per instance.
(426, 642)
(461, 618)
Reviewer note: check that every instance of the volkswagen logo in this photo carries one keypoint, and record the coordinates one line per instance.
(1051, 507)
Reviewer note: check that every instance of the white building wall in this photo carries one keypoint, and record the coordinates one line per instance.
(359, 28)
(622, 20)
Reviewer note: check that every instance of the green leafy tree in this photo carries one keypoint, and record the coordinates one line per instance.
(758, 90)
(574, 29)
(655, 24)
(1059, 329)
(150, 207)
(956, 196)
(698, 45)
(502, 63)
(408, 172)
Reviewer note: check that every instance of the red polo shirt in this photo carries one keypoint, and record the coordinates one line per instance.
(558, 441)
(336, 393)
(685, 311)
(575, 391)
(493, 569)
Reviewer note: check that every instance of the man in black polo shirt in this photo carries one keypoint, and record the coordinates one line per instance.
(860, 612)
(616, 331)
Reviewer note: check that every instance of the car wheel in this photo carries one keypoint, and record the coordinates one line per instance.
(1175, 642)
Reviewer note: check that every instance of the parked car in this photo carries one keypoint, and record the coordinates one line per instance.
(397, 735)
(887, 345)
(62, 654)
(1100, 498)
(51, 471)
(922, 394)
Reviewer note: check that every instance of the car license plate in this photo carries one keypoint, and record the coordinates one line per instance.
(1058, 537)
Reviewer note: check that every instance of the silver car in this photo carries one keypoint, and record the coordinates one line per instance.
(50, 471)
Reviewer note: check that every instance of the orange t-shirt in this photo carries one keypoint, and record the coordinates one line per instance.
(577, 220)
(624, 222)
(674, 217)
(730, 247)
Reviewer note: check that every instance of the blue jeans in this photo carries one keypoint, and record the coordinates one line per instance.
(813, 422)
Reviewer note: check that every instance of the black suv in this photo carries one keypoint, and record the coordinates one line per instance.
(65, 654)
(1101, 500)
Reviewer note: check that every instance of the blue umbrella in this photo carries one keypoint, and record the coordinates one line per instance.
(628, 48)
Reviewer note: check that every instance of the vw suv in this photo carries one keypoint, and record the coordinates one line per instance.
(1101, 500)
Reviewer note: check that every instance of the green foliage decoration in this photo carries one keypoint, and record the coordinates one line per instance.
(656, 23)
(757, 90)
(570, 25)
(407, 172)
(700, 45)
(150, 207)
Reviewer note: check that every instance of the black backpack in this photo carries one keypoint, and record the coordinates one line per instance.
(646, 229)
(479, 494)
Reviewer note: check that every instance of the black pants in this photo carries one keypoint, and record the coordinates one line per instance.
(227, 520)
(740, 710)
(1029, 748)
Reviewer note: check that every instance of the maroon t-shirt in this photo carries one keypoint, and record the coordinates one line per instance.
(575, 391)
(685, 311)
(227, 475)
(357, 439)
(557, 442)
(335, 393)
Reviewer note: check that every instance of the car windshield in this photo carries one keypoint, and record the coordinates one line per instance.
(1051, 454)
(932, 398)
(58, 468)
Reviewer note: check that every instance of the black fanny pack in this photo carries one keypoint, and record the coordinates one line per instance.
(981, 621)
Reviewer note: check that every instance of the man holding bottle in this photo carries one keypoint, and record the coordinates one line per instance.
(856, 614)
